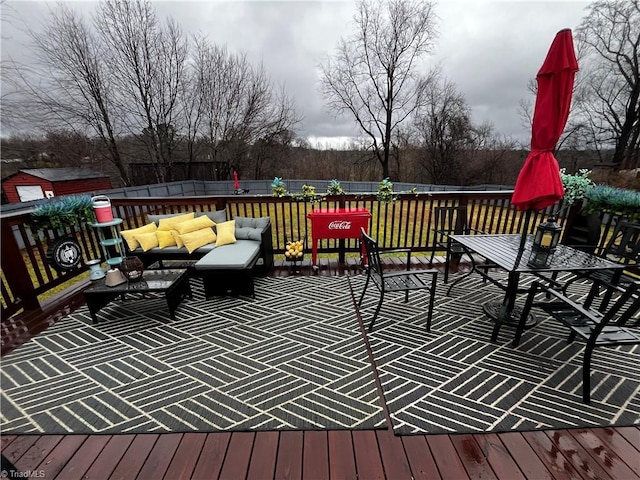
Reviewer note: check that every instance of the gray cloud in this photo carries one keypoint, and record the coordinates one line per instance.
(490, 49)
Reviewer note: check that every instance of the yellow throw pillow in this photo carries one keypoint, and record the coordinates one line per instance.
(147, 240)
(130, 235)
(176, 237)
(165, 238)
(198, 238)
(193, 225)
(169, 223)
(226, 233)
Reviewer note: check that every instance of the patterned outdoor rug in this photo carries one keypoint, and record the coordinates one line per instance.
(292, 358)
(454, 379)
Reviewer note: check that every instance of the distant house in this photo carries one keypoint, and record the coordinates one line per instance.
(35, 183)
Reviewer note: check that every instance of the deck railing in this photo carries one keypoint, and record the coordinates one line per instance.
(27, 276)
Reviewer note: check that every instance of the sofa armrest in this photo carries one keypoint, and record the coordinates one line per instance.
(266, 248)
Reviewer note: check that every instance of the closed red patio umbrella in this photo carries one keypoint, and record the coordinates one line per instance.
(236, 183)
(539, 184)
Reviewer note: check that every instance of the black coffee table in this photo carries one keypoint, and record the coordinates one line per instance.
(173, 283)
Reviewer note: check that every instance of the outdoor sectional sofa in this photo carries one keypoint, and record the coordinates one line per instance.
(225, 253)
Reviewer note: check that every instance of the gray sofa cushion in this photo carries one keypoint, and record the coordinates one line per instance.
(218, 216)
(245, 222)
(248, 233)
(236, 256)
(156, 218)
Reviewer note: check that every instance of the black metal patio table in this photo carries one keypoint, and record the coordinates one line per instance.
(507, 252)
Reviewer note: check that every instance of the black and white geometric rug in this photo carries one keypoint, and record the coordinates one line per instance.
(292, 358)
(454, 380)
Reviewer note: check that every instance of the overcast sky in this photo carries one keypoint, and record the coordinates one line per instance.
(490, 49)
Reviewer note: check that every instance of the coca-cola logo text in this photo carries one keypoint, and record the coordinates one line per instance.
(340, 225)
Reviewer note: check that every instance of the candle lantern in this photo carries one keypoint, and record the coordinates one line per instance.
(545, 243)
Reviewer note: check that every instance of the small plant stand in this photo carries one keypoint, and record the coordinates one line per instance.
(110, 241)
(294, 264)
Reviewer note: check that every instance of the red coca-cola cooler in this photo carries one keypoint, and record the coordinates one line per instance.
(337, 223)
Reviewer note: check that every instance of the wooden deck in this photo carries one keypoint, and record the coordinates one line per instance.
(599, 453)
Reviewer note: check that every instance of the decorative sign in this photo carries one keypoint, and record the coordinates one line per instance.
(65, 254)
(340, 225)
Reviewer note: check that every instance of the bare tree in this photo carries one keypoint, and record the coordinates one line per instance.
(192, 107)
(444, 131)
(130, 79)
(609, 100)
(70, 85)
(240, 108)
(490, 157)
(374, 75)
(148, 60)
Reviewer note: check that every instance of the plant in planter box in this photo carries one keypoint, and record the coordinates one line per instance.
(385, 191)
(605, 198)
(308, 194)
(576, 186)
(582, 230)
(334, 188)
(278, 187)
(59, 213)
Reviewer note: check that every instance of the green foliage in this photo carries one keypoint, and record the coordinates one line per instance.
(385, 191)
(334, 188)
(308, 194)
(576, 185)
(278, 187)
(613, 199)
(308, 190)
(74, 210)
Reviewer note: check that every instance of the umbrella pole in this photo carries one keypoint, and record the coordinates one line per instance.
(496, 309)
(527, 220)
(523, 238)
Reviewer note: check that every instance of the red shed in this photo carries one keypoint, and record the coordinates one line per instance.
(36, 183)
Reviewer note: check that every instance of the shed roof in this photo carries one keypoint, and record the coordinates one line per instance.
(62, 174)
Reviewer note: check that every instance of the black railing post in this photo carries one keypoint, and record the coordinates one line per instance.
(15, 270)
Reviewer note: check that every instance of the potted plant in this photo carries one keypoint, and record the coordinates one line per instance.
(334, 188)
(588, 202)
(582, 229)
(576, 186)
(278, 187)
(308, 194)
(385, 191)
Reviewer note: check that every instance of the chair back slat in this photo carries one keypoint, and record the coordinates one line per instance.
(624, 246)
(374, 264)
(451, 220)
(626, 306)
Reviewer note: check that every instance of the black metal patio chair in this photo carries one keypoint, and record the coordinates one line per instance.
(617, 325)
(395, 281)
(624, 248)
(450, 221)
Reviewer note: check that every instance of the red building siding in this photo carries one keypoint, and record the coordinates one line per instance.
(22, 179)
(59, 188)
